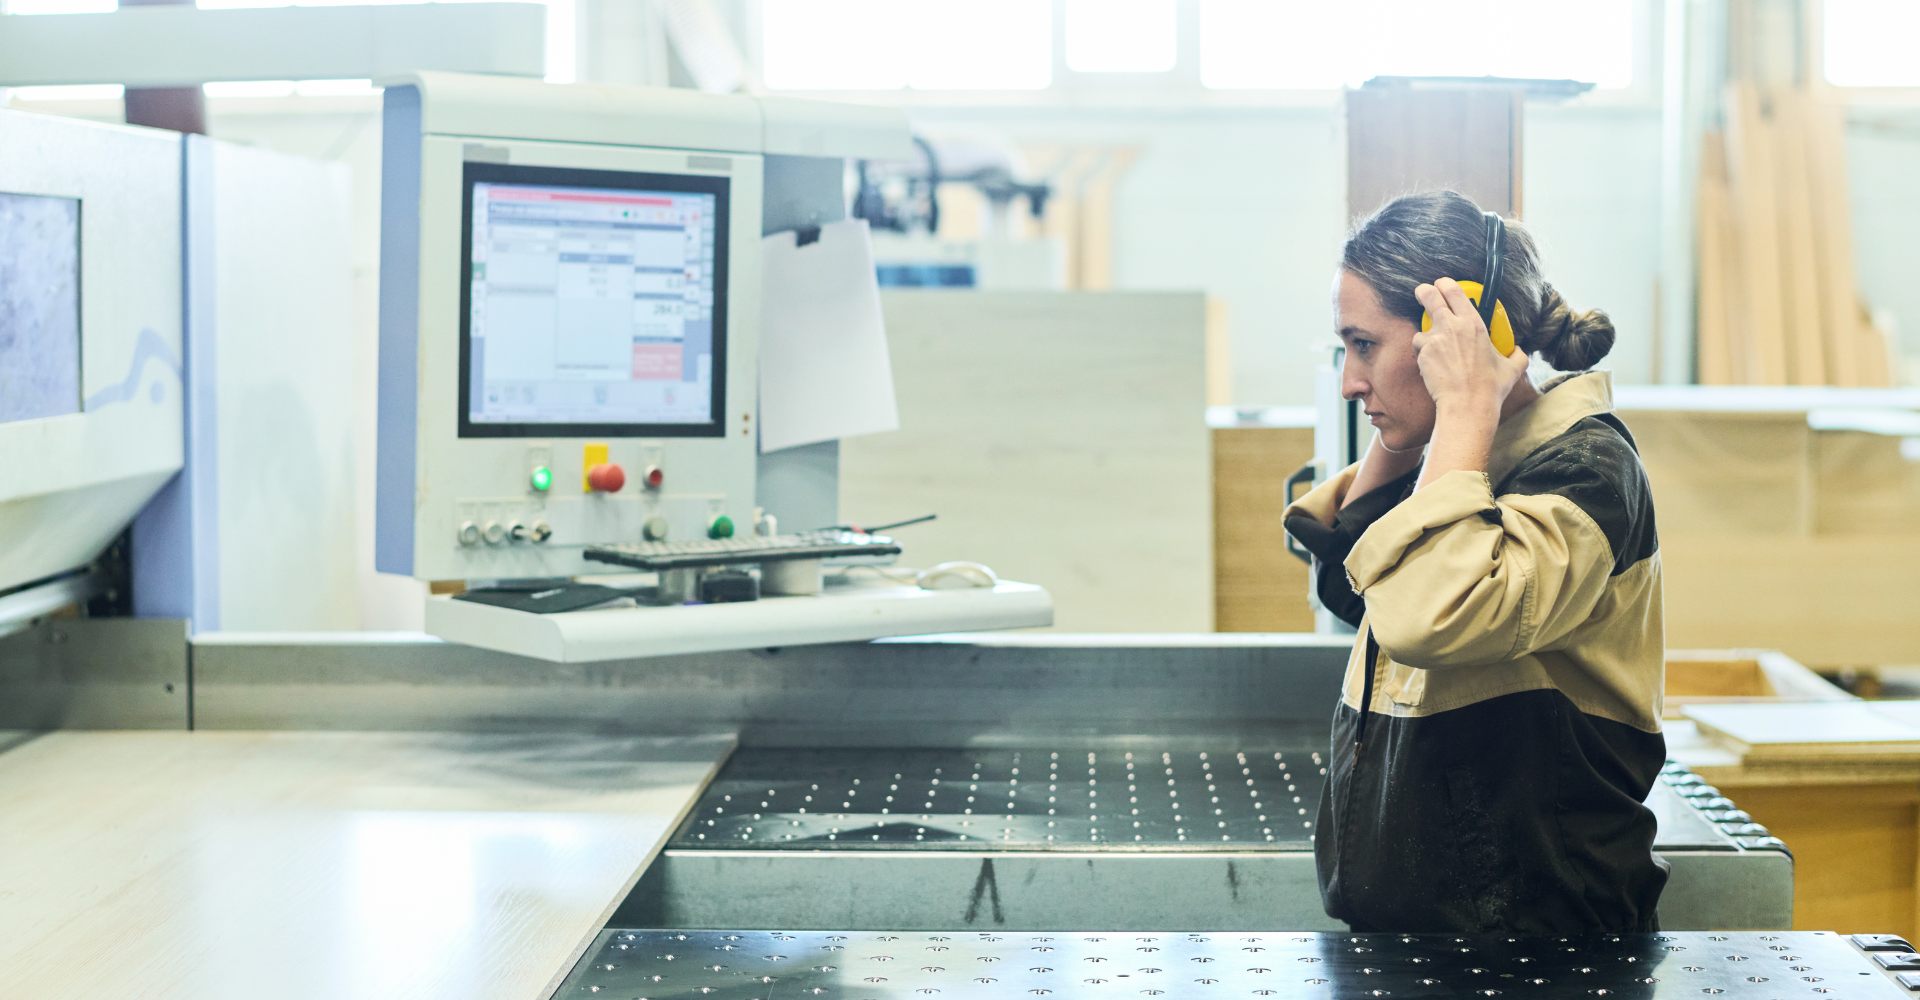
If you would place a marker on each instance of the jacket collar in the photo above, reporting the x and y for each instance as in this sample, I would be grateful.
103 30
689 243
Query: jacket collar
1563 402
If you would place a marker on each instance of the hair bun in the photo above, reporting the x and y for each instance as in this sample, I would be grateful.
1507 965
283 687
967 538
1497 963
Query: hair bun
1570 341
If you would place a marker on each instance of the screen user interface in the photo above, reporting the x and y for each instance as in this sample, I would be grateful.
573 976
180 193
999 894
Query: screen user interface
591 306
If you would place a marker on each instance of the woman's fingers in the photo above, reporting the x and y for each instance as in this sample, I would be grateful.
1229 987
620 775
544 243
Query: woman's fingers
1456 297
1430 299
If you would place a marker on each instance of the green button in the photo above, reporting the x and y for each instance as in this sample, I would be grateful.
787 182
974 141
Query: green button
541 478
720 527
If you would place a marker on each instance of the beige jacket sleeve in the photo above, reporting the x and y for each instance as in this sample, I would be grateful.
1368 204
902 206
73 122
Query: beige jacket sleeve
1323 501
1454 577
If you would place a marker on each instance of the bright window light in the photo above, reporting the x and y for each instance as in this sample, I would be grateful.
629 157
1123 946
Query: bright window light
58 6
1121 36
1248 44
68 92
1869 43
895 44
290 88
248 88
336 88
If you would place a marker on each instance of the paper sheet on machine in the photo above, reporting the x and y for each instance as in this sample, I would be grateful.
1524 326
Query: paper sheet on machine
824 371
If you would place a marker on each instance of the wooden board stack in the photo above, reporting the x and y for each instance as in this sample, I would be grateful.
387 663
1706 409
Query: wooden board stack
1778 303
1792 732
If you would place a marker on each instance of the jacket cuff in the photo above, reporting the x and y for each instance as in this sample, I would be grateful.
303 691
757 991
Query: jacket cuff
1323 501
1451 498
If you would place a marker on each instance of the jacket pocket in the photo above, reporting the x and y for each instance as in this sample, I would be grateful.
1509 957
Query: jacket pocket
1404 685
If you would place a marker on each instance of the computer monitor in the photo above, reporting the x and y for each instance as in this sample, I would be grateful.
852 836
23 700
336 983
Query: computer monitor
594 303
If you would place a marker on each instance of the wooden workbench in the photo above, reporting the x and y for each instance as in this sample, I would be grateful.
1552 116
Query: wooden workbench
323 865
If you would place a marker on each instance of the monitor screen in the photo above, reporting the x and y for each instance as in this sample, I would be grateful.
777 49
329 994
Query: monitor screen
39 306
594 303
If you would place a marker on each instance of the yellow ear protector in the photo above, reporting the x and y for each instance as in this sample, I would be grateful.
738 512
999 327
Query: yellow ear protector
1493 312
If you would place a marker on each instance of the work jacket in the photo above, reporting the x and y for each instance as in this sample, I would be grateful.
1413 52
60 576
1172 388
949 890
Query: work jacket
1499 727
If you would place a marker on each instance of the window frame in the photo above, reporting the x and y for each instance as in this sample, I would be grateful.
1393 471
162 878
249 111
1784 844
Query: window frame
1181 86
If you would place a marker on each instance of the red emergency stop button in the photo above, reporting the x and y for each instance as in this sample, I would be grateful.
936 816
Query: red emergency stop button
607 477
655 477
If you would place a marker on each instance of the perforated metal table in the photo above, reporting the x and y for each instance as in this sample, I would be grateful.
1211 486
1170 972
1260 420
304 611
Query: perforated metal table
971 965
1031 838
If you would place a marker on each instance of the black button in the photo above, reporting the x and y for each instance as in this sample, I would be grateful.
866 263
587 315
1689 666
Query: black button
1897 961
1881 942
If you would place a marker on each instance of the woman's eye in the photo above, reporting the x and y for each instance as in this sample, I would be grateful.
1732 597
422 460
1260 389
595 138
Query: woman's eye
1362 347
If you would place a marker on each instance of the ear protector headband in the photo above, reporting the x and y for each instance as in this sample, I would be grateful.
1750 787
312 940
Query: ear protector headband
1486 298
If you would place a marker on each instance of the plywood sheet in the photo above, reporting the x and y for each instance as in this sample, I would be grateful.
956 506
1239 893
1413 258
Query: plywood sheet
1401 140
1825 601
1751 167
1062 439
1810 730
1799 258
1718 309
1258 587
1825 148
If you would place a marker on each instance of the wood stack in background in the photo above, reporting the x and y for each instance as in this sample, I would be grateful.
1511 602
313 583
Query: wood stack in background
1778 299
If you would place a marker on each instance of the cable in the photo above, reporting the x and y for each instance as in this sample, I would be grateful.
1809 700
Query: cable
922 519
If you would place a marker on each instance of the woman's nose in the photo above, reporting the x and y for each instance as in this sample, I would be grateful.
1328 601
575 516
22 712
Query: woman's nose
1351 385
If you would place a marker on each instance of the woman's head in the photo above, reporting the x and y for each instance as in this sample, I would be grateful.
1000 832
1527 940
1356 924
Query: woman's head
1417 239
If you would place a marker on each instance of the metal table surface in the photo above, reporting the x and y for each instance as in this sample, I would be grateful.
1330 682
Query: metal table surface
1146 798
971 965
1070 834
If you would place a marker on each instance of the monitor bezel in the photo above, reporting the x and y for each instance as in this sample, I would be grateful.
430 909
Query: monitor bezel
474 173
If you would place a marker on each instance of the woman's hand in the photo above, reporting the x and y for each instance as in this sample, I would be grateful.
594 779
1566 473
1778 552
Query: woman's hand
1457 358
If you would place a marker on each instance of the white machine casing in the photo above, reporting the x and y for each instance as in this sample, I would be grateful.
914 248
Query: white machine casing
431 480
74 481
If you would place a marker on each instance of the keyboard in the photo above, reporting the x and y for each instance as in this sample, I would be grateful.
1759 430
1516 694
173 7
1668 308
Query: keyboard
840 546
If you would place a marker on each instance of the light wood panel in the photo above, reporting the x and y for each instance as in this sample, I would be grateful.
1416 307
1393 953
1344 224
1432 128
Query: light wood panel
1751 168
1720 362
1825 601
1402 139
1061 437
1825 150
1785 732
207 866
1799 260
1732 473
1258 586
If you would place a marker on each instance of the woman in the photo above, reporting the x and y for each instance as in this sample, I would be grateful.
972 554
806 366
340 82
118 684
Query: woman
1500 724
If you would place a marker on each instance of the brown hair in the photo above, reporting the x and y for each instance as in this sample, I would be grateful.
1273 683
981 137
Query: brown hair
1419 238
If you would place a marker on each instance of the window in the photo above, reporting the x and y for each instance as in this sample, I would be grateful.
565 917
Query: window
899 44
1869 43
1247 44
1121 36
